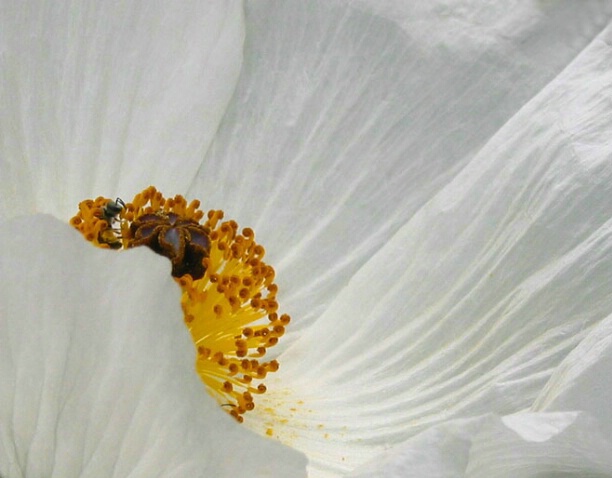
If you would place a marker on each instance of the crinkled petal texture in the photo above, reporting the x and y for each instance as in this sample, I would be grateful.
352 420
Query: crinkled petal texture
531 445
582 380
350 116
110 97
487 284
98 375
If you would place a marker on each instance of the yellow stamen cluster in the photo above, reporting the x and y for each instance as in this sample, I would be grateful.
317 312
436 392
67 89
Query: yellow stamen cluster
151 201
231 312
97 229
233 307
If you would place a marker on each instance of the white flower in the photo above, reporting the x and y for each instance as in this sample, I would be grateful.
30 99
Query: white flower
431 182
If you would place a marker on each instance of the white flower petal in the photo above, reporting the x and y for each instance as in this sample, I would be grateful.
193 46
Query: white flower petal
345 123
97 369
582 380
524 445
110 96
473 303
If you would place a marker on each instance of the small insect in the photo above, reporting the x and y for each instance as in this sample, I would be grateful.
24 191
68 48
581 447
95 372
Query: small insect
109 213
184 241
112 210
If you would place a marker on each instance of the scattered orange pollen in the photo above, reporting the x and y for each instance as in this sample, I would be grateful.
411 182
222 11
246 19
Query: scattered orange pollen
228 291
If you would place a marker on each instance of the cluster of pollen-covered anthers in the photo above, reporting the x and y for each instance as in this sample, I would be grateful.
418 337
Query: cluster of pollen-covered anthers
229 295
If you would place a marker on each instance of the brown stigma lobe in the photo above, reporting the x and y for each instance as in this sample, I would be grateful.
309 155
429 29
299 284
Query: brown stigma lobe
184 241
